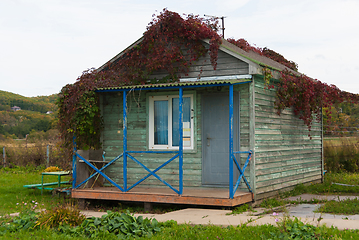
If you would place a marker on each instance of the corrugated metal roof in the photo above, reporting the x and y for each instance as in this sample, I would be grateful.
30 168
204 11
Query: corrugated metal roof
177 84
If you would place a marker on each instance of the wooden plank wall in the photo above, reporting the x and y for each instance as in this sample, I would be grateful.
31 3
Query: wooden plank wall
138 141
226 66
111 107
285 155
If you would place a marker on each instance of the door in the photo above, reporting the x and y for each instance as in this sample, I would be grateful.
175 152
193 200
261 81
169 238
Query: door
215 138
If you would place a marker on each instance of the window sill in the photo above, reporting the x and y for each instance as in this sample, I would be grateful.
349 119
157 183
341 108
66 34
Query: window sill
173 149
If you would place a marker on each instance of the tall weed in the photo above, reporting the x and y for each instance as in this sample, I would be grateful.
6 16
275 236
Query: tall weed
22 153
341 155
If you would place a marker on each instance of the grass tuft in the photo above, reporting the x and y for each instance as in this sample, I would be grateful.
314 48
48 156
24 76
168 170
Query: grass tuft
347 206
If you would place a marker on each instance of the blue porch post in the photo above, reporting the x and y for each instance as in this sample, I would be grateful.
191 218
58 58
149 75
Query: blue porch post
74 165
180 119
231 141
125 141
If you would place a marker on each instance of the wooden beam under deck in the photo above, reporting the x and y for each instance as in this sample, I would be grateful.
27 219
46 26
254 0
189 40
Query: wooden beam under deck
194 196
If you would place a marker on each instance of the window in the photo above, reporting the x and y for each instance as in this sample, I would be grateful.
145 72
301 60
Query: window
164 125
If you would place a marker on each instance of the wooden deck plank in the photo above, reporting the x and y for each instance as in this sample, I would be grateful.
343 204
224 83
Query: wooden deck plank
202 196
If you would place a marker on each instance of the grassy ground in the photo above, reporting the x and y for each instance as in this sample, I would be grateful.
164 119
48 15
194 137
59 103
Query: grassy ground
15 198
247 232
337 141
186 231
328 187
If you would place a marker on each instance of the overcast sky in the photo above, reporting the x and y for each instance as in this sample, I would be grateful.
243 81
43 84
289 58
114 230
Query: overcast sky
46 44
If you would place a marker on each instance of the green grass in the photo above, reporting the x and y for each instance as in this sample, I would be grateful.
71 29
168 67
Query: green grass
15 198
272 203
337 141
348 207
187 231
241 209
327 188
39 235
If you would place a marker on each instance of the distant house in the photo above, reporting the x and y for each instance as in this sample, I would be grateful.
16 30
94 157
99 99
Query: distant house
16 108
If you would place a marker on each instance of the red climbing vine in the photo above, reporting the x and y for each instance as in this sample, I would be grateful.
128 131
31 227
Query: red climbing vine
243 44
172 43
308 96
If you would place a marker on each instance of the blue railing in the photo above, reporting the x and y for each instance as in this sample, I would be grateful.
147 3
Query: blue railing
241 171
127 153
153 173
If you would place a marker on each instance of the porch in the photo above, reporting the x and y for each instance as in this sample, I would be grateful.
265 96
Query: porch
192 196
124 188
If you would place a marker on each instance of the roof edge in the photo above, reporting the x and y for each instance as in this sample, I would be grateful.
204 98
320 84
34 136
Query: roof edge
120 54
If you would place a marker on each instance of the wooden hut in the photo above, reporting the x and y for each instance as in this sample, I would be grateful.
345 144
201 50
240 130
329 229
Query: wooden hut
231 148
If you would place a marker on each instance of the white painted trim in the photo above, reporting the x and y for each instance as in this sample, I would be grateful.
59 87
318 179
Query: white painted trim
217 78
169 98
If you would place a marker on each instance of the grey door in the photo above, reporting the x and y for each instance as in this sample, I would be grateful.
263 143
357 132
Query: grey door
215 136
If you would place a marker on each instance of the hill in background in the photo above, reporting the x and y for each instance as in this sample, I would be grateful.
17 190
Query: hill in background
37 114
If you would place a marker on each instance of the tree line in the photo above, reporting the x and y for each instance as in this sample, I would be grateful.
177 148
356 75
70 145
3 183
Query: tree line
343 120
41 104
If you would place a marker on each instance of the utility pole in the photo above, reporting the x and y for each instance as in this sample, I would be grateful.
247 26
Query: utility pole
214 17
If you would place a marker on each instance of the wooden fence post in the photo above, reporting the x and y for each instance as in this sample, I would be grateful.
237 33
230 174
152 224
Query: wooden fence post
47 155
4 156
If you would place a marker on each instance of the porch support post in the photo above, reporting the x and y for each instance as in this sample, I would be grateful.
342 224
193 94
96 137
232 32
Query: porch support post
322 143
74 172
252 132
231 194
180 123
124 140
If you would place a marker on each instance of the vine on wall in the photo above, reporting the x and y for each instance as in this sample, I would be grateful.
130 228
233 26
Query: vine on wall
173 43
308 96
243 44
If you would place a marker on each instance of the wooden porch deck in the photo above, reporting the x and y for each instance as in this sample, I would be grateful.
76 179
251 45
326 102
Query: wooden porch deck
193 196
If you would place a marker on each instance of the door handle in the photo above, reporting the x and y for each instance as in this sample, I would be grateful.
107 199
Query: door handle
208 141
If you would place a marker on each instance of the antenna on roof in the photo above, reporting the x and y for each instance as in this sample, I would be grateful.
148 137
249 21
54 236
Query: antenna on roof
214 17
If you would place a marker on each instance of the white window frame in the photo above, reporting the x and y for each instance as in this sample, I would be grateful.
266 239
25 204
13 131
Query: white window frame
169 98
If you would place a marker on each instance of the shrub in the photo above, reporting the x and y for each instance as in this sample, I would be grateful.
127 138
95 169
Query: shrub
66 215
295 229
124 225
